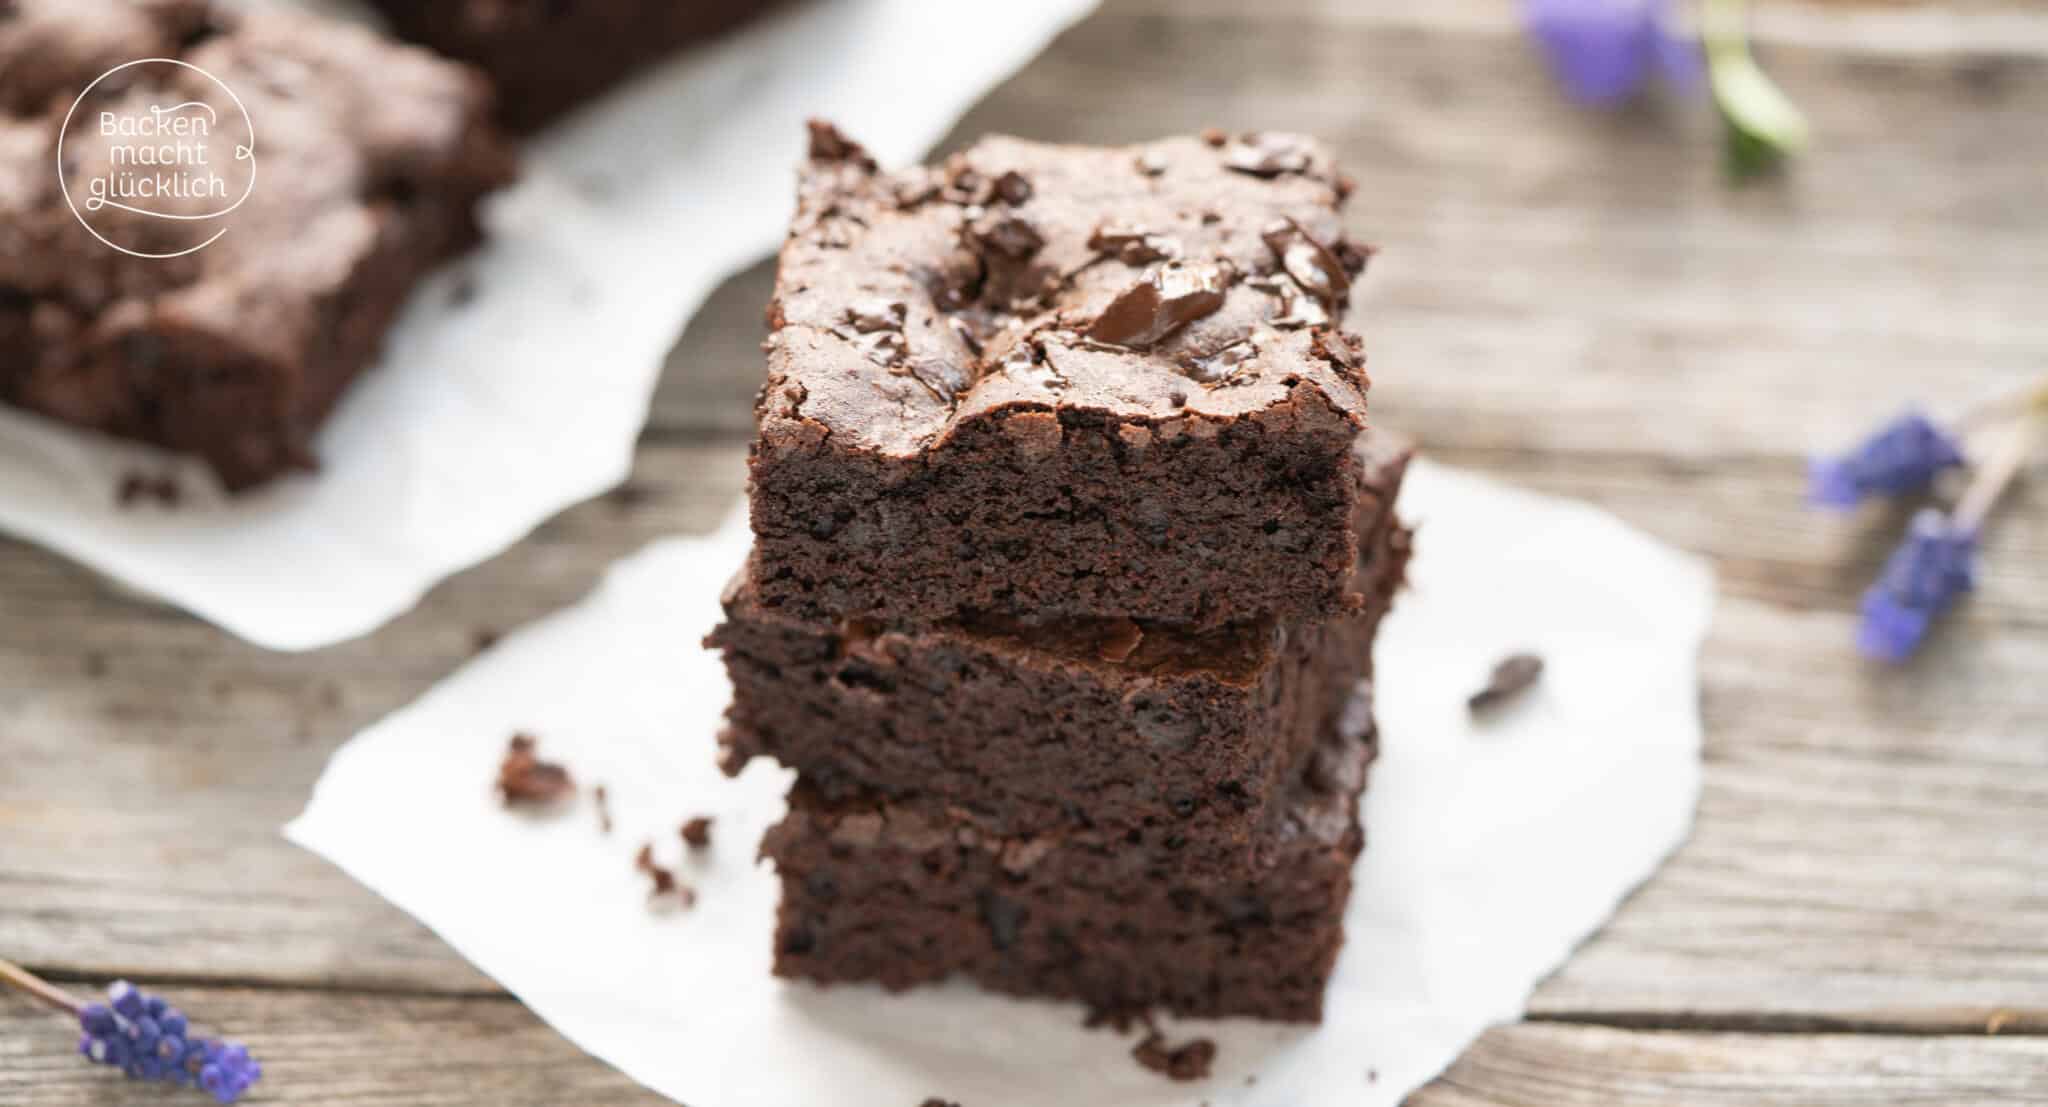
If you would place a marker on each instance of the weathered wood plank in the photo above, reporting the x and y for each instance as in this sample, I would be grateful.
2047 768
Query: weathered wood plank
324 1048
1577 1066
1849 813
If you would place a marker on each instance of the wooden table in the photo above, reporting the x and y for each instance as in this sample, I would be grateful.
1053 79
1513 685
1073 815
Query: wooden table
1575 301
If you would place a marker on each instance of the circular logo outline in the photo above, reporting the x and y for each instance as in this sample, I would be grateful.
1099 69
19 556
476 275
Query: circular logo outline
65 186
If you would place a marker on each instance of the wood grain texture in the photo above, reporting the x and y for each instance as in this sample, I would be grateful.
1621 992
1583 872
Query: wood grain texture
1573 301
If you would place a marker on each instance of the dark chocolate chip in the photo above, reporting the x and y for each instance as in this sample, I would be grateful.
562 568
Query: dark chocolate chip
1268 154
1511 677
1012 188
1132 245
1161 302
1313 267
1008 235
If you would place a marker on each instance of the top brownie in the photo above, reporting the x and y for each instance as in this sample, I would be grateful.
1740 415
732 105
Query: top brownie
1044 382
370 158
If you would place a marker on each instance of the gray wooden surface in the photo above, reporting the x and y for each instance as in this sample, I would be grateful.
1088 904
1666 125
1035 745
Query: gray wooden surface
1574 301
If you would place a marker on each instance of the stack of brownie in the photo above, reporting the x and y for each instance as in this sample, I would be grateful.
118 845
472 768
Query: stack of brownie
1069 554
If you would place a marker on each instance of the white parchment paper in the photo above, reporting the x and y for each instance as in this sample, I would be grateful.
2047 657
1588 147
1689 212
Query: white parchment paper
1493 848
497 407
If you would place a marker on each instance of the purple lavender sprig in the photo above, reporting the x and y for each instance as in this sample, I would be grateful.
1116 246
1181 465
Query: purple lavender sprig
1921 580
1604 51
1902 458
146 1038
1937 563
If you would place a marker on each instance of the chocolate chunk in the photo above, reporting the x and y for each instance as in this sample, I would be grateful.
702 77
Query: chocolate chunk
876 314
829 144
1007 235
697 831
1510 678
1353 255
1132 245
1215 367
1298 309
1314 268
1012 188
1268 154
1161 302
1188 1061
525 780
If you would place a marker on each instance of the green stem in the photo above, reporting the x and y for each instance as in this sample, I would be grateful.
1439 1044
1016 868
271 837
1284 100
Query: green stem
11 973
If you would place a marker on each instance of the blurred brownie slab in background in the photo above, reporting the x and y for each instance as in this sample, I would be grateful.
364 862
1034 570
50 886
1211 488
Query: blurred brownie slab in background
369 159
548 56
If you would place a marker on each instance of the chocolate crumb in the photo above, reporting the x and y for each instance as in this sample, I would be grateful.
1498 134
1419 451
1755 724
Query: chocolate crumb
524 780
137 487
1187 1061
1119 1018
604 808
1510 678
664 880
935 1101
829 144
1214 136
697 831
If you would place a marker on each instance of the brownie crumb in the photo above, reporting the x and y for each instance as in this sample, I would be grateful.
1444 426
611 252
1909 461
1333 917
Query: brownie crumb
524 780
697 831
137 487
664 880
604 808
1187 1061
1510 679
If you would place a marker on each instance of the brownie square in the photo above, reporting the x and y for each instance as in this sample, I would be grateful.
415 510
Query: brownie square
871 892
1171 741
1046 382
547 56
371 157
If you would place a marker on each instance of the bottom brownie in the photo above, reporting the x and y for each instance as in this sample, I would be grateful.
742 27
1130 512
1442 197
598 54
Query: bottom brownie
874 892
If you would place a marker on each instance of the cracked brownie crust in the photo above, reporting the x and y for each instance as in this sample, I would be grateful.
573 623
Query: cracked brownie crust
235 353
1044 382
872 892
1172 742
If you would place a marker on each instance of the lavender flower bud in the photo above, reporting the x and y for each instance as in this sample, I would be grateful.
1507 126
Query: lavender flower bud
1920 581
1903 457
1604 50
146 1038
